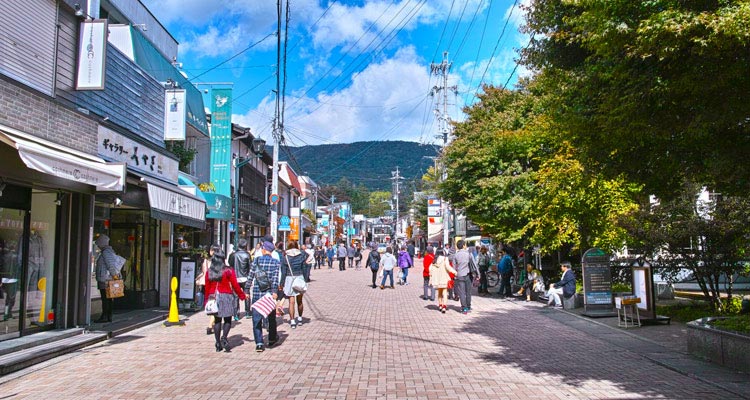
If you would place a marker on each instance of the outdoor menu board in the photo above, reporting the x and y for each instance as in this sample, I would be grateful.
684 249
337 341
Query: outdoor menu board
597 280
643 288
597 277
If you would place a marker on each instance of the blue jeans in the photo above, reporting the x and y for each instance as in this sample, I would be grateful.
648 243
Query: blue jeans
258 327
406 273
385 275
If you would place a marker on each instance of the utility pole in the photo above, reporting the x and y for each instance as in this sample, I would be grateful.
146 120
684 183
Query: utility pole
331 228
396 177
277 128
442 70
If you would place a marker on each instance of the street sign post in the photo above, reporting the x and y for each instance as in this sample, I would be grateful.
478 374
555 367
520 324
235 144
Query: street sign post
285 223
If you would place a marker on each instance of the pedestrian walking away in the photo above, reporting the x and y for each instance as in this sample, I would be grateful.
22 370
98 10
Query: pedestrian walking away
440 271
222 284
330 253
463 280
350 254
429 257
483 261
387 263
264 277
341 253
373 261
292 265
404 263
505 269
358 257
239 260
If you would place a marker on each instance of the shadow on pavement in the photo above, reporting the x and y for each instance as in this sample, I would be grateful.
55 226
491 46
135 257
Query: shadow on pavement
543 347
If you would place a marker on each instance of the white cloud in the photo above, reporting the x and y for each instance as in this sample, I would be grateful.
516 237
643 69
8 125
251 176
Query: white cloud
386 101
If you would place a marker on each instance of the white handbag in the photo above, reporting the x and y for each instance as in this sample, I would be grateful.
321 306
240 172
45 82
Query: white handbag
212 306
298 282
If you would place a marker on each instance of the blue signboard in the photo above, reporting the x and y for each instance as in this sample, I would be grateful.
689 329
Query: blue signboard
285 223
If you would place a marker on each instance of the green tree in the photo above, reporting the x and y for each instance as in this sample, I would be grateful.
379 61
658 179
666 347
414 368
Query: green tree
656 90
516 176
708 238
379 203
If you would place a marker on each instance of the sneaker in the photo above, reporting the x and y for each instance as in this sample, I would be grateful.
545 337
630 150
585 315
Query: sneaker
559 306
299 320
465 311
259 348
442 309
272 343
406 283
293 324
392 287
382 287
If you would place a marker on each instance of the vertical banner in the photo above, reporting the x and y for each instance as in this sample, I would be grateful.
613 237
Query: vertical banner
221 140
294 212
174 114
434 220
92 54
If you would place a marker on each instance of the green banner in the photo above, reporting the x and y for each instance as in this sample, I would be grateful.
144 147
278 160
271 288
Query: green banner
219 207
221 140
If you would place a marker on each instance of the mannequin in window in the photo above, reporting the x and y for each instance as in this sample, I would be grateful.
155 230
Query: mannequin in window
8 277
36 259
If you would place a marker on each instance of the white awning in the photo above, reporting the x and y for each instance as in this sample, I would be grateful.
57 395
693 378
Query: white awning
64 162
176 205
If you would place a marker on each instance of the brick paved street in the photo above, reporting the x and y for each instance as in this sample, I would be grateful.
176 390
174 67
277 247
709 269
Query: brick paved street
359 342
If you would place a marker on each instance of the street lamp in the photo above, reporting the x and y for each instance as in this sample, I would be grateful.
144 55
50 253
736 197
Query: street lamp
259 145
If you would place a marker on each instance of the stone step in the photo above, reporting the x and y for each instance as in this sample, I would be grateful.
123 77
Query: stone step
20 359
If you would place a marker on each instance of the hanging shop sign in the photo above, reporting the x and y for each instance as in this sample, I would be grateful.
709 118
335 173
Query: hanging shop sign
92 55
138 156
221 140
174 114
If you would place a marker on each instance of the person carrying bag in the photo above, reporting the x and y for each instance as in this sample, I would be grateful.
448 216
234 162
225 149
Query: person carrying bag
292 270
108 267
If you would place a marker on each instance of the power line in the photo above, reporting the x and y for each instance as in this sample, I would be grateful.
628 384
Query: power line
440 41
232 57
492 56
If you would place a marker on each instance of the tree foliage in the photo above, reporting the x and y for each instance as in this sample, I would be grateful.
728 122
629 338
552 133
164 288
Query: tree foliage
709 238
514 174
656 90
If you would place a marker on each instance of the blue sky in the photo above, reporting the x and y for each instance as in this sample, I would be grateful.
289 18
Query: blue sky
356 70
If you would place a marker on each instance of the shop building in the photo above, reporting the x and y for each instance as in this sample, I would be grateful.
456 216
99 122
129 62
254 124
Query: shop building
80 160
254 212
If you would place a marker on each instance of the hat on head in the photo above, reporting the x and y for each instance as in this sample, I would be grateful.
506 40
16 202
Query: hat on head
268 246
102 240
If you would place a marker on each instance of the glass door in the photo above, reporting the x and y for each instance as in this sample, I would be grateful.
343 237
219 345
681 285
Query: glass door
39 279
127 241
12 222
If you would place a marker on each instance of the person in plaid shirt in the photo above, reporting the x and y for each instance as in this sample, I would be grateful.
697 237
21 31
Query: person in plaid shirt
271 267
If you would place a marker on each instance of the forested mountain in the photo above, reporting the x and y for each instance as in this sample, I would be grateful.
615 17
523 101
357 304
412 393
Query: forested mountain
362 163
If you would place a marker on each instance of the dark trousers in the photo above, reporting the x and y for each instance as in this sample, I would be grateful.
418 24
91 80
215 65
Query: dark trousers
342 263
258 327
374 275
306 271
483 281
505 289
106 306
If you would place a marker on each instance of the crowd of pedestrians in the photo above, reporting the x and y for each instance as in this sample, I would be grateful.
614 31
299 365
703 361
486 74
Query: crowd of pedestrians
273 271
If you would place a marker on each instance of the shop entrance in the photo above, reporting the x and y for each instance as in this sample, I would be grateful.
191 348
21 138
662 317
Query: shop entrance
131 241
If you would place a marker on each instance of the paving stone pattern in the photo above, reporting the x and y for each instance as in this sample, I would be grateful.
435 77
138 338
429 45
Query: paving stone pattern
364 343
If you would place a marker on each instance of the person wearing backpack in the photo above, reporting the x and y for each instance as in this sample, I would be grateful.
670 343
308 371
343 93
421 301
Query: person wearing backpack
404 262
373 261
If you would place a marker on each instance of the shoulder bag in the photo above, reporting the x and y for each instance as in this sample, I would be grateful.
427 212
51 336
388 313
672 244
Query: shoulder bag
297 283
212 306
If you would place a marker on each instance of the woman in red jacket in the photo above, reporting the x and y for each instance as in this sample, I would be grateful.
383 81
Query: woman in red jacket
426 262
221 283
